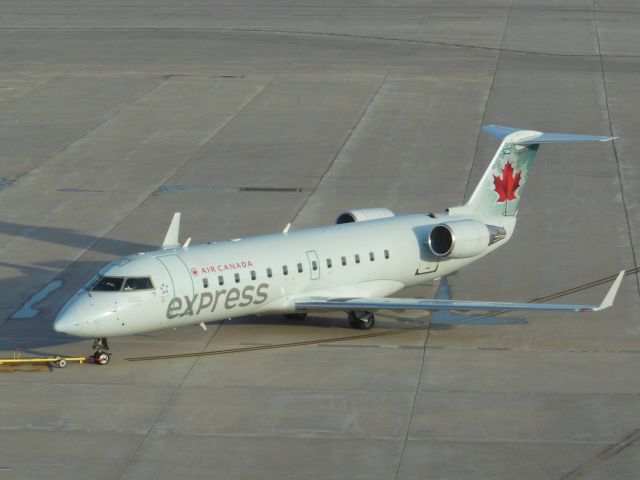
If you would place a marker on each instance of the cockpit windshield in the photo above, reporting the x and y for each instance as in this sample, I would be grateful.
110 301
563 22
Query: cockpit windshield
137 283
108 284
116 284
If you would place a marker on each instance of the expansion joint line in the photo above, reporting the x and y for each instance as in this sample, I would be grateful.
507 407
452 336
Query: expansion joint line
347 138
415 397
615 150
166 405
486 103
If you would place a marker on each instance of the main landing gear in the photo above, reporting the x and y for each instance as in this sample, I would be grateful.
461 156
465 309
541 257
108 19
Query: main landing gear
361 320
102 354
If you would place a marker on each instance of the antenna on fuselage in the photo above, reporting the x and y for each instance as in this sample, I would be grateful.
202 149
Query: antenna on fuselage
171 238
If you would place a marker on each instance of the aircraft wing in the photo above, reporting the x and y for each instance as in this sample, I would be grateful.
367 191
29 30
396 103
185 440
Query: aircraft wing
438 304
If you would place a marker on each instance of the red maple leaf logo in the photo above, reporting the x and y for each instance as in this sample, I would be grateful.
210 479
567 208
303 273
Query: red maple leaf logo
507 185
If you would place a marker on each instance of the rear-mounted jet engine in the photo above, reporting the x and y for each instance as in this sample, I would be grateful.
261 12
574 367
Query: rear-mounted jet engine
463 238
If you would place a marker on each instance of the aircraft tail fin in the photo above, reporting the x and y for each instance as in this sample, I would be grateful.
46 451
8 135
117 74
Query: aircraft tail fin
500 188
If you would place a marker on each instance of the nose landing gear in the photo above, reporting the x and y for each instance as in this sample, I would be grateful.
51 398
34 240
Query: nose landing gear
102 354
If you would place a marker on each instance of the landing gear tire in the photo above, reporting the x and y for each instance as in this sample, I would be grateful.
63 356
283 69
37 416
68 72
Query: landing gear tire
61 363
101 358
102 354
361 320
295 316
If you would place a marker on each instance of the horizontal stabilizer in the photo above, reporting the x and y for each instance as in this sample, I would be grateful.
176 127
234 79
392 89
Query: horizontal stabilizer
533 137
370 304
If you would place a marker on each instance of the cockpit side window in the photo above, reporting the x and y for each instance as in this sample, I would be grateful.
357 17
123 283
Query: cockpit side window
137 283
108 284
91 283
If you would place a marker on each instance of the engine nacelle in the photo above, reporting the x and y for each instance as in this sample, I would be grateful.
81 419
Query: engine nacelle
463 238
364 214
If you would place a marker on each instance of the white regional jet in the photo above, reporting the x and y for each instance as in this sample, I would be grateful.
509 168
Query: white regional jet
350 266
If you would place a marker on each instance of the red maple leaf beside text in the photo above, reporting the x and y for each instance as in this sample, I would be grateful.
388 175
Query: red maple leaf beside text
507 185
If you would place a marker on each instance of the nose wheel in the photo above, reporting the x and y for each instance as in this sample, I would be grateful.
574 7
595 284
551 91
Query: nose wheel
102 354
361 320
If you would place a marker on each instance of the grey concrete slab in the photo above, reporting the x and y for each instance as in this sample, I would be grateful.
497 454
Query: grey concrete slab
624 465
58 110
253 411
490 460
353 368
518 417
168 456
621 76
617 24
531 372
60 454
101 408
567 30
299 124
477 26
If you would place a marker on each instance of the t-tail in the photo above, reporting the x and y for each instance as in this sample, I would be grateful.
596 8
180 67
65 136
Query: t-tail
500 188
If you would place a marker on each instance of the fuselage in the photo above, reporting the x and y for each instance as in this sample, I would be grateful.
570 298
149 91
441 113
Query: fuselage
259 275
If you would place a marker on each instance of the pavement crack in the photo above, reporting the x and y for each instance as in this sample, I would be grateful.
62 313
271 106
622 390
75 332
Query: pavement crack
413 404
613 144
486 104
347 138
603 456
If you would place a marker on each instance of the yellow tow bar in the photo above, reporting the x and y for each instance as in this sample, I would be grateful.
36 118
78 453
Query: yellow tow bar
61 362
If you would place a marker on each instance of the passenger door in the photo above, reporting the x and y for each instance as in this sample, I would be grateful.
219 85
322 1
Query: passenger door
180 279
314 264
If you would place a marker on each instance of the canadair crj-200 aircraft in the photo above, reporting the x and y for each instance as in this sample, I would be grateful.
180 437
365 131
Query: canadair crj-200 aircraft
351 266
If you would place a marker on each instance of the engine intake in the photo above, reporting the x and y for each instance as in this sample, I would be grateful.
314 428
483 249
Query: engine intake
463 238
363 215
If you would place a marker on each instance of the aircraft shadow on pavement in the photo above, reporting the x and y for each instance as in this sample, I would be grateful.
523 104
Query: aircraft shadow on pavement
73 238
32 334
444 319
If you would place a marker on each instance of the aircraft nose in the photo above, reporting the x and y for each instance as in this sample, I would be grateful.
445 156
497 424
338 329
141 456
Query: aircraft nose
65 321
63 324
75 318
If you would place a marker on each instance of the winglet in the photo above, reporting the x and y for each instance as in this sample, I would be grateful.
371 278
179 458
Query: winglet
611 294
171 238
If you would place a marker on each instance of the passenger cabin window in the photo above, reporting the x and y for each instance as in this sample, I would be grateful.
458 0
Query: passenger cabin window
285 270
386 254
108 284
372 257
220 280
205 282
343 260
269 273
329 264
299 268
237 277
357 257
253 274
314 265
